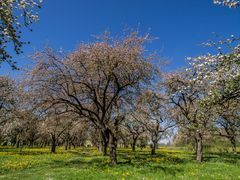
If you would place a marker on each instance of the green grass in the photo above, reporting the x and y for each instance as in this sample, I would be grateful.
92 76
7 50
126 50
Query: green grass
87 163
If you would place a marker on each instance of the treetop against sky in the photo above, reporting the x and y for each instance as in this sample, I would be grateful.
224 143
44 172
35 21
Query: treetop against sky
181 26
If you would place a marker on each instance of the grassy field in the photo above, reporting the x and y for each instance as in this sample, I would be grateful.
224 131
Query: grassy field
87 163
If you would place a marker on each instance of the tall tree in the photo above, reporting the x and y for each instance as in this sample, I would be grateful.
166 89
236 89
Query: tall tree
95 81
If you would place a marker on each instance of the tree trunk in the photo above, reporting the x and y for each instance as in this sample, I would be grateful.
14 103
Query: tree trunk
67 141
134 144
142 145
74 146
31 141
54 144
113 149
104 148
17 141
234 146
199 150
154 147
195 146
105 140
66 144
18 144
125 144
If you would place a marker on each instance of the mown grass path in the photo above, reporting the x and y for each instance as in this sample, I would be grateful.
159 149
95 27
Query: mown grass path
87 163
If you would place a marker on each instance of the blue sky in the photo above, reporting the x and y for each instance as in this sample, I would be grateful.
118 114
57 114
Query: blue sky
180 25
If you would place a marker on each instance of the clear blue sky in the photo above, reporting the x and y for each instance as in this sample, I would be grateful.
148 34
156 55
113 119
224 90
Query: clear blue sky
180 25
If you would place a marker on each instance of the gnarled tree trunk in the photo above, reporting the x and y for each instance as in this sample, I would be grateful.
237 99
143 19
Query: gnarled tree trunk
113 149
105 141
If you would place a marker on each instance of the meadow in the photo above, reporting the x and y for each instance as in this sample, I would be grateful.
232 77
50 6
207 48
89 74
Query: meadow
88 163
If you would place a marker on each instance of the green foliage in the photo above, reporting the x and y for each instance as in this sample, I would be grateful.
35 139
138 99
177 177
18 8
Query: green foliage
87 163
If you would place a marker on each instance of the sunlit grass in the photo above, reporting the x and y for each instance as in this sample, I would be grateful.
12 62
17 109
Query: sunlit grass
88 163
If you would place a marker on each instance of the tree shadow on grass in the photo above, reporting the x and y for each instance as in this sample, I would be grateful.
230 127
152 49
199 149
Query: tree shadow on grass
167 170
143 161
222 157
85 154
139 159
159 157
102 164
98 163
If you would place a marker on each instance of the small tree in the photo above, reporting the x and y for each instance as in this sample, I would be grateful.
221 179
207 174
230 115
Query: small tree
55 125
135 129
186 95
152 112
